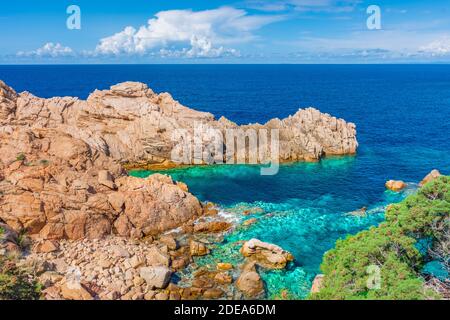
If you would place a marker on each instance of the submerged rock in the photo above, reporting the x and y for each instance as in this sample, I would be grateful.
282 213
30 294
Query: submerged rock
198 249
265 254
358 213
212 226
224 266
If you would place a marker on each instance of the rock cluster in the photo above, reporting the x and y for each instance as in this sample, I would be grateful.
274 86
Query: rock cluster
116 268
61 173
54 184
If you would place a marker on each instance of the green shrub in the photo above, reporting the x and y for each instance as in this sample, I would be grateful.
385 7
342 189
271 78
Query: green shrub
15 283
391 247
20 157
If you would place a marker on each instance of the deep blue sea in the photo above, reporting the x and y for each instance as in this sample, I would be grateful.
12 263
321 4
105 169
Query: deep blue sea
402 114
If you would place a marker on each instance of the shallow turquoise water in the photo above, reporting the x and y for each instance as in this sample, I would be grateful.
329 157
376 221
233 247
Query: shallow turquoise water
305 210
401 113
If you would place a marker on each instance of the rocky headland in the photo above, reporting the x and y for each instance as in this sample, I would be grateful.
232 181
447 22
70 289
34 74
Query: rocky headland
64 187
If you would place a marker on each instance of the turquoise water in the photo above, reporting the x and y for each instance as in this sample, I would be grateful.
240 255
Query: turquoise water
311 212
402 116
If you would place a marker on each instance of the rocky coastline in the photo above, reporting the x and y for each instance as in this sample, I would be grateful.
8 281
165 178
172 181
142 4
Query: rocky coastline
87 230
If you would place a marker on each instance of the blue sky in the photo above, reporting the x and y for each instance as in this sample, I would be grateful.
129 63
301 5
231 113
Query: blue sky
245 31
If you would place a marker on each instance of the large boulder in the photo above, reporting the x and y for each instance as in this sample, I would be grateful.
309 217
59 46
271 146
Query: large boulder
250 282
156 276
395 185
55 186
155 204
72 291
266 254
156 257
197 248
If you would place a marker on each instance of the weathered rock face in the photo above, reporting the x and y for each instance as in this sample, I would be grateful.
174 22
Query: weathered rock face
133 124
55 185
61 174
265 254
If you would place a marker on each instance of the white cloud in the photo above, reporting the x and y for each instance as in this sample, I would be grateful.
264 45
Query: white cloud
200 48
202 30
439 47
48 50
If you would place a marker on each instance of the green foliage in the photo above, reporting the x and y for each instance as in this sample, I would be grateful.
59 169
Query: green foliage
15 284
20 157
44 162
23 241
2 231
391 247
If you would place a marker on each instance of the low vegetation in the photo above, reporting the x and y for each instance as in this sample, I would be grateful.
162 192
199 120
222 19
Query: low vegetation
386 262
16 283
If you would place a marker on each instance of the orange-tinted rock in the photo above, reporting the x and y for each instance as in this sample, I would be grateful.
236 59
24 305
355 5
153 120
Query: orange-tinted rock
395 185
224 266
212 226
265 254
46 246
434 174
250 282
198 249
249 222
71 291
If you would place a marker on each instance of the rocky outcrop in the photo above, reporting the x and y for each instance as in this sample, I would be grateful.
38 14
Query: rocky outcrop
61 173
395 185
265 254
55 186
434 174
131 123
